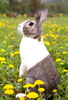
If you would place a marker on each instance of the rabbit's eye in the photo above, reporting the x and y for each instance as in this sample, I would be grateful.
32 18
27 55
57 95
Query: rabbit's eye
31 24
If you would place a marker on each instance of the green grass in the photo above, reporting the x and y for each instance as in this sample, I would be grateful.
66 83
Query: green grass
55 34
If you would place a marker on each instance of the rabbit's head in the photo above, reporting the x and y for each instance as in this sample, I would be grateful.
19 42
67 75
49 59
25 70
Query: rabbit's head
33 28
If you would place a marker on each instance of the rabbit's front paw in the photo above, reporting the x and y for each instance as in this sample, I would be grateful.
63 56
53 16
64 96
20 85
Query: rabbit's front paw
20 74
20 95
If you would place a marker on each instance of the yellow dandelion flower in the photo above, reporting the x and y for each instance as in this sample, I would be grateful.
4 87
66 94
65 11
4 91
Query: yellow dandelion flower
41 89
66 44
9 35
57 53
2 50
65 70
19 80
3 62
8 86
67 96
52 35
11 66
11 46
67 62
58 59
67 74
9 92
32 95
50 31
4 42
61 63
17 52
5 37
28 86
55 90
44 36
2 59
64 52
39 99
47 34
13 38
38 82
11 54
61 47
22 98
54 42
47 43
66 26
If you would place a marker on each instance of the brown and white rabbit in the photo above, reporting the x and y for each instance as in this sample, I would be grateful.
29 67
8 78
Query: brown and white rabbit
36 61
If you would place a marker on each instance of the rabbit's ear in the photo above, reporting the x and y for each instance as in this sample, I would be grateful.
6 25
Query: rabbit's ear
41 15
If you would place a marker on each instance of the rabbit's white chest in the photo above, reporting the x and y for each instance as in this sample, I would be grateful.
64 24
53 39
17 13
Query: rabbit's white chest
32 52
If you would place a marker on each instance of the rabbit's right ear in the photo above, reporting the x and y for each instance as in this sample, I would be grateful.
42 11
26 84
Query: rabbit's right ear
41 15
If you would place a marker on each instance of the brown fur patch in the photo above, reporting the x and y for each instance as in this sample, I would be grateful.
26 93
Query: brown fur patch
45 71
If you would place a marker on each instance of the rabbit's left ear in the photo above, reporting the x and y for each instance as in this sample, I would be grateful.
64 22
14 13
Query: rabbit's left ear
41 15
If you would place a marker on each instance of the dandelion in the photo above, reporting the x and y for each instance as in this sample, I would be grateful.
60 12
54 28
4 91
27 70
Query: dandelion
8 86
64 52
55 90
28 86
5 37
67 96
67 74
9 35
11 54
61 63
44 36
4 42
33 95
9 92
58 59
17 52
19 80
61 47
47 34
52 35
54 42
13 38
11 46
65 70
38 82
66 44
39 99
50 31
22 98
3 62
47 43
41 89
11 66
2 50
57 53
2 59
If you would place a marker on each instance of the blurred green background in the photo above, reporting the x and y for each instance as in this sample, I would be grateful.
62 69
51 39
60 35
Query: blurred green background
30 6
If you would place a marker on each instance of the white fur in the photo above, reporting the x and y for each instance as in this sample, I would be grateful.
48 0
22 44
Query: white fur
31 52
20 95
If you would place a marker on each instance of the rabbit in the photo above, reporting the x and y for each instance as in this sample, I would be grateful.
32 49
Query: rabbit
36 62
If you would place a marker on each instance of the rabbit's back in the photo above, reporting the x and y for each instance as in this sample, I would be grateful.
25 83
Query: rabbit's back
45 71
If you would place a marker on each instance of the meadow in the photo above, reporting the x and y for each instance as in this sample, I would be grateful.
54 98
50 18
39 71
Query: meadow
55 37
